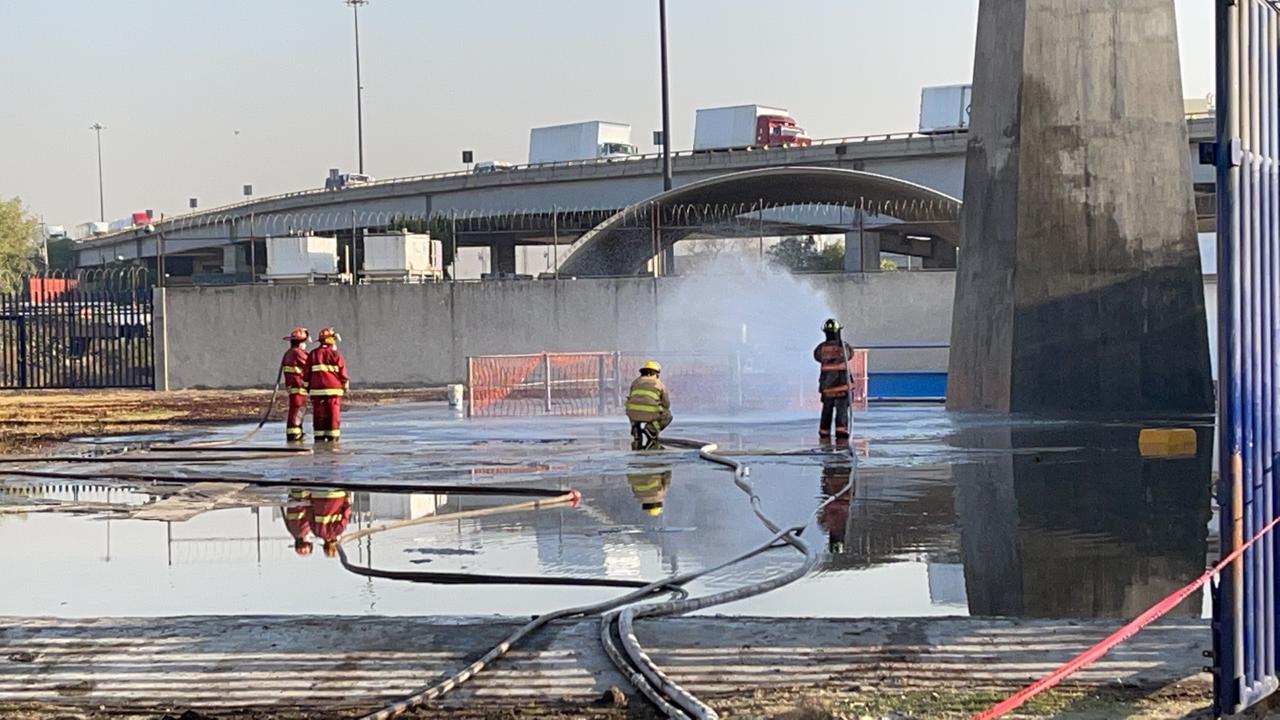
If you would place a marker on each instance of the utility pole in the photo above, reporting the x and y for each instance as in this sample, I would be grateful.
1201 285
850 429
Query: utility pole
355 15
97 128
666 99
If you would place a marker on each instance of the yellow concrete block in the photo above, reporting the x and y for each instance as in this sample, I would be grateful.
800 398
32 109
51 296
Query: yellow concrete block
1167 442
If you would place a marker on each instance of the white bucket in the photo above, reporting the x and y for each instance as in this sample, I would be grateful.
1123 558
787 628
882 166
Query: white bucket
455 396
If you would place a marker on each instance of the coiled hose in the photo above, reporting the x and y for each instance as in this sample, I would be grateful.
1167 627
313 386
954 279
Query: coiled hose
658 682
665 694
617 615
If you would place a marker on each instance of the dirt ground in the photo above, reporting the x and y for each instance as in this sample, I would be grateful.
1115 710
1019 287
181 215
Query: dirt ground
30 418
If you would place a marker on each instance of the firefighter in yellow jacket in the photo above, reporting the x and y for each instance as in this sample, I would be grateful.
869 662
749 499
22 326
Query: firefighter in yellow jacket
650 488
648 406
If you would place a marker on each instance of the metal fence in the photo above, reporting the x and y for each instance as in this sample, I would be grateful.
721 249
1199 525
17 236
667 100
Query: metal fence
596 383
1247 155
86 330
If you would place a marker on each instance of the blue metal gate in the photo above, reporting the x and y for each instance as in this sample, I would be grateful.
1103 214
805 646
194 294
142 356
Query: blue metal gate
90 330
1248 147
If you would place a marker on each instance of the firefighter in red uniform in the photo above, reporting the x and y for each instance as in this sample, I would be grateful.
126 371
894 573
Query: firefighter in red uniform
294 365
835 515
330 513
297 518
833 381
327 382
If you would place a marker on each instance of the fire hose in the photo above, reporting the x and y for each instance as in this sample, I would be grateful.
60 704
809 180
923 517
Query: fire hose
665 694
617 614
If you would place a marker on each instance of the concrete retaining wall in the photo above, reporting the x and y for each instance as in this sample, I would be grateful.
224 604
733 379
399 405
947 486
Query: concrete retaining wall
416 335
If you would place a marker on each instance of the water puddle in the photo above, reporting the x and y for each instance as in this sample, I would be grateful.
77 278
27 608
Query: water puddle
943 515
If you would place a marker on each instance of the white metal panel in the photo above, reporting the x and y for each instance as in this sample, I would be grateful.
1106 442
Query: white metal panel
401 253
613 133
574 141
945 108
296 255
729 127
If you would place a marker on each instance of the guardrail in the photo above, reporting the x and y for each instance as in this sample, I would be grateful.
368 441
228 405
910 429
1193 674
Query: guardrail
528 167
514 170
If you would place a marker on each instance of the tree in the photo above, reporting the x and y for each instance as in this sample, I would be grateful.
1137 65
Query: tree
802 255
17 243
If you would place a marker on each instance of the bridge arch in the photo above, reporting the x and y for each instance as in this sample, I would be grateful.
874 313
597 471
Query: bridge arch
625 242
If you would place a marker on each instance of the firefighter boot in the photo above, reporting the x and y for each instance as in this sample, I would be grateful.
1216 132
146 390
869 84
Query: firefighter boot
651 433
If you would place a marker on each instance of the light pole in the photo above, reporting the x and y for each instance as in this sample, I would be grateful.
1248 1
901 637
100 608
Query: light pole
355 15
97 128
666 101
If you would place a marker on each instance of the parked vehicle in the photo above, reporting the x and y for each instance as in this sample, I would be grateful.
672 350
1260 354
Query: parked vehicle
945 108
592 140
746 126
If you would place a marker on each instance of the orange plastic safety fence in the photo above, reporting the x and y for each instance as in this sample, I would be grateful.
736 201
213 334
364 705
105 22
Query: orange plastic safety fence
597 383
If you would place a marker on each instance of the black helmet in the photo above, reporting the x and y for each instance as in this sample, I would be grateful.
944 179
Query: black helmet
831 326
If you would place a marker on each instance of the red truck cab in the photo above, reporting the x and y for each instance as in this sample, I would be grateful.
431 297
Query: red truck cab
780 131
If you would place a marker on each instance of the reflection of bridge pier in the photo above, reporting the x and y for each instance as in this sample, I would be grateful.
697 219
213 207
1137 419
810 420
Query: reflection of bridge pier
1069 521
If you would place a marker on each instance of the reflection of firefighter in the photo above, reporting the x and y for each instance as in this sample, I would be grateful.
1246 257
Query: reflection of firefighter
294 365
330 513
833 381
327 378
650 489
835 477
297 518
648 406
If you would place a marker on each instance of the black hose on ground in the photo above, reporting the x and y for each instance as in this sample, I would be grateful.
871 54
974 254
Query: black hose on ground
569 497
666 695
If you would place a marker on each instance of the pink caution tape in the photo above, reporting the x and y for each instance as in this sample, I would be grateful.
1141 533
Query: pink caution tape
1092 655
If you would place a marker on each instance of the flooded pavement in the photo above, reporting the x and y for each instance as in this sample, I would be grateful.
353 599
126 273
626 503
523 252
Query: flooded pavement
948 515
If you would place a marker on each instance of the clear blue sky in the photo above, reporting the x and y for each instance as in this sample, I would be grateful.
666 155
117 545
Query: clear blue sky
173 80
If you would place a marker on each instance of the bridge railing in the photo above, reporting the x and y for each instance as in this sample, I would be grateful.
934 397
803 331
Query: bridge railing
511 173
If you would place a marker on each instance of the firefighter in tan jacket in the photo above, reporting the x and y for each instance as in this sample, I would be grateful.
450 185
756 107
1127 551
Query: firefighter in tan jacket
648 407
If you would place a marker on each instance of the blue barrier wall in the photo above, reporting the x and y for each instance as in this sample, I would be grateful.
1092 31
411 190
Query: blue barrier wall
1244 601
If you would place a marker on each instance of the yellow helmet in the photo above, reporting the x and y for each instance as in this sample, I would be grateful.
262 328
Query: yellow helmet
651 365
654 510
329 336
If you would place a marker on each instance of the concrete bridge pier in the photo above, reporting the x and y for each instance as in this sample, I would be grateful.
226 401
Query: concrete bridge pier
1078 287
862 251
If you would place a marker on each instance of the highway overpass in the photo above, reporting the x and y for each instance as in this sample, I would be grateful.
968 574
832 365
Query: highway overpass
532 204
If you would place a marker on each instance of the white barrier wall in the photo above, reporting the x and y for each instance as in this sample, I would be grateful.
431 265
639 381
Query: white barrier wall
421 335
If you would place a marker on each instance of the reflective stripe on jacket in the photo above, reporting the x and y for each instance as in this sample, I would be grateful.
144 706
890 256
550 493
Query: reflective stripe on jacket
833 378
294 365
647 400
330 513
326 372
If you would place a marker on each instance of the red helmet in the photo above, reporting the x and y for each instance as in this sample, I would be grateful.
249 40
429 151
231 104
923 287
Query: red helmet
302 547
299 334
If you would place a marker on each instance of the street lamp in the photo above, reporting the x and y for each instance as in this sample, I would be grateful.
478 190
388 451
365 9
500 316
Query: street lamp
97 128
666 101
355 15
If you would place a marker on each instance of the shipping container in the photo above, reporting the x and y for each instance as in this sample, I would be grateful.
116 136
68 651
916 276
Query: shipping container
402 256
301 257
746 126
945 108
592 140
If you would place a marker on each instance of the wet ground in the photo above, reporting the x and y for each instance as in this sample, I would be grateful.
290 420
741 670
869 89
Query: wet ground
948 516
